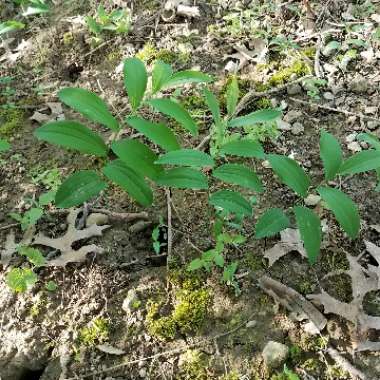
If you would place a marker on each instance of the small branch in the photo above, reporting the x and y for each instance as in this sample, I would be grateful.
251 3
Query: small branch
8 226
331 109
125 216
248 98
170 228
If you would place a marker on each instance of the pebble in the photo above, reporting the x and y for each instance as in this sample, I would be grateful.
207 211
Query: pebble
283 125
312 200
251 324
275 354
373 124
328 96
297 128
351 137
292 116
129 303
354 147
294 89
143 372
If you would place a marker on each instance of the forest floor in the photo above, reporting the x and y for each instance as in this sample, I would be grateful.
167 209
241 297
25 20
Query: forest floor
129 313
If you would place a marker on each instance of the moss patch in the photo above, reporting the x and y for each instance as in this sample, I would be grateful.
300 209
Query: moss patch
283 75
149 53
11 121
96 332
193 366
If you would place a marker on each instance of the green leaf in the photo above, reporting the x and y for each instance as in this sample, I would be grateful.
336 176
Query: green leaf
135 81
10 26
232 96
238 174
219 260
51 286
370 139
243 148
46 198
195 265
162 72
176 111
132 182
260 116
93 25
89 105
331 154
73 135
36 8
361 162
231 202
290 173
4 145
160 134
79 188
33 255
132 152
344 209
183 178
213 104
31 217
184 77
310 229
186 157
20 279
271 223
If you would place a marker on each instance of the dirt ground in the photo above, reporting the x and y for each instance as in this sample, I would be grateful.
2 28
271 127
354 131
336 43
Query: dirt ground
111 317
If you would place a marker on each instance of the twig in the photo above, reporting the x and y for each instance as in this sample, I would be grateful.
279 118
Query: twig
8 226
248 98
176 351
317 65
203 142
331 109
125 216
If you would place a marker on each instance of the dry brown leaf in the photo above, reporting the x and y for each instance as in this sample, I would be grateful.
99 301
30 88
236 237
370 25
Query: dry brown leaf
64 243
290 241
300 307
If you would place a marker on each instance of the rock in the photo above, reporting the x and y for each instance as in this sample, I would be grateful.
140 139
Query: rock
328 95
143 373
283 125
354 147
53 370
372 110
297 128
294 89
359 85
351 137
312 200
97 218
292 116
373 124
131 302
275 354
251 324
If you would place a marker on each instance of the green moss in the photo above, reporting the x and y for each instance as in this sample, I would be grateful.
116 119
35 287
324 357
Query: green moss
96 332
150 53
262 132
193 366
114 57
298 67
230 376
311 365
313 343
309 51
295 353
332 261
253 261
305 286
263 103
11 121
187 315
68 38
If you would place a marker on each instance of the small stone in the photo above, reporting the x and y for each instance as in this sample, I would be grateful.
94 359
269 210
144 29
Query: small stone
297 128
371 110
143 372
373 124
292 116
131 302
351 137
231 66
328 96
312 200
354 147
294 89
283 125
275 354
359 85
251 324
97 218
266 164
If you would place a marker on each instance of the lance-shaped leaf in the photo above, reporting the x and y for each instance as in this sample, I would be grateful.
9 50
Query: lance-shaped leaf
213 104
177 112
271 223
135 81
186 157
238 174
188 76
260 116
310 229
10 26
130 181
183 178
73 135
243 148
231 201
370 139
344 209
331 154
160 134
79 188
161 74
232 96
290 173
89 105
138 157
361 162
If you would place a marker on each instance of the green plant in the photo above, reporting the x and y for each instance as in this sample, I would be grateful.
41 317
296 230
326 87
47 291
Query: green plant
96 332
167 165
156 235
117 21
